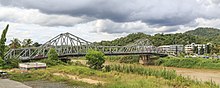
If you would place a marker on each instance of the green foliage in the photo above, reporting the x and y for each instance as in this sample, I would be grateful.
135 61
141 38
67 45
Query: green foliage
2 62
195 49
137 69
157 39
189 62
95 59
202 50
2 42
178 38
52 54
36 44
53 58
27 43
124 40
11 63
15 43
124 59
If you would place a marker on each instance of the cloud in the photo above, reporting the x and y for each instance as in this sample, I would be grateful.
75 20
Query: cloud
34 16
96 20
153 12
42 34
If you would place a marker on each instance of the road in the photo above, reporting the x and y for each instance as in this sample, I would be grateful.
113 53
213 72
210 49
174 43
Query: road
6 83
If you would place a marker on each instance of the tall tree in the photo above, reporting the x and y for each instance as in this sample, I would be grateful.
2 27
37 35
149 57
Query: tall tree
201 50
2 42
27 43
36 44
15 43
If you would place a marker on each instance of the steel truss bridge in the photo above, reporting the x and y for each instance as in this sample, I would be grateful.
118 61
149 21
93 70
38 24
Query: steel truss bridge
67 44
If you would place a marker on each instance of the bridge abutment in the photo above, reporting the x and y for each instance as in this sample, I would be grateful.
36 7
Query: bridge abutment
144 59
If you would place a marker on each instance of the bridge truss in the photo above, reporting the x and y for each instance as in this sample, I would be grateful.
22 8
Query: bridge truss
67 44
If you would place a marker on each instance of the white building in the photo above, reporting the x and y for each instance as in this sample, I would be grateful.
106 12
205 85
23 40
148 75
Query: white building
172 48
32 65
189 48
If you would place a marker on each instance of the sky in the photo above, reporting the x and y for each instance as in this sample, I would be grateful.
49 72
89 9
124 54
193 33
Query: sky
97 20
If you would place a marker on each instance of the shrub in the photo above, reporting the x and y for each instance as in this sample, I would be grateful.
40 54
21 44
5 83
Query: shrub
2 62
53 58
137 69
52 54
129 59
95 59
107 68
11 63
189 62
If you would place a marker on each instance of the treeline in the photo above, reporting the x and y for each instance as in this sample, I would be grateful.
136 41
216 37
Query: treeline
124 40
16 43
156 40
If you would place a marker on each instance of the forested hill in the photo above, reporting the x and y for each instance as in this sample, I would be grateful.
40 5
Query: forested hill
208 34
205 32
199 35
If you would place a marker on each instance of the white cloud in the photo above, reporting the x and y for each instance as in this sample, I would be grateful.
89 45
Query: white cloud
34 16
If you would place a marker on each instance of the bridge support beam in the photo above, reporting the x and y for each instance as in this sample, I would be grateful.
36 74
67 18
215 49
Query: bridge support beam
144 59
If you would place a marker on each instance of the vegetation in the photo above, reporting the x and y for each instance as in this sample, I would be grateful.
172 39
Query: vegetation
27 43
124 40
124 59
15 43
157 39
189 62
11 63
95 59
118 77
53 58
2 44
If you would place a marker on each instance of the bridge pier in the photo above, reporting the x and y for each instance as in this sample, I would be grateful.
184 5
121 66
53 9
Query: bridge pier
144 59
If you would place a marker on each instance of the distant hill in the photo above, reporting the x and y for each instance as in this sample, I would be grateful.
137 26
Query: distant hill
207 34
204 32
124 40
199 35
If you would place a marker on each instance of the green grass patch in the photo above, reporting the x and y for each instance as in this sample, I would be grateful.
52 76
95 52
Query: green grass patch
189 62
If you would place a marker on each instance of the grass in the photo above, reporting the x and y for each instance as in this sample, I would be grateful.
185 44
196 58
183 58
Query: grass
120 76
189 62
123 59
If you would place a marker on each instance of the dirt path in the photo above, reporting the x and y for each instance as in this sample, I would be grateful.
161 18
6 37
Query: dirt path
199 74
77 78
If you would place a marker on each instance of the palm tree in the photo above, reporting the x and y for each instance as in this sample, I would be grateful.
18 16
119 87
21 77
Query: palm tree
27 43
15 43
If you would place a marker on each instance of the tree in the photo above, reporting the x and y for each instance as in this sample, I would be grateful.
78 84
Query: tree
15 43
95 59
195 49
2 42
208 48
27 43
52 54
36 44
201 50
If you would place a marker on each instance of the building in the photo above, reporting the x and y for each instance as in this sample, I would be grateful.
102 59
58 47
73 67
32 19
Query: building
190 47
32 65
172 49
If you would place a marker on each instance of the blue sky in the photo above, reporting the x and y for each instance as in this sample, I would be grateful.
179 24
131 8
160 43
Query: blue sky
96 20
